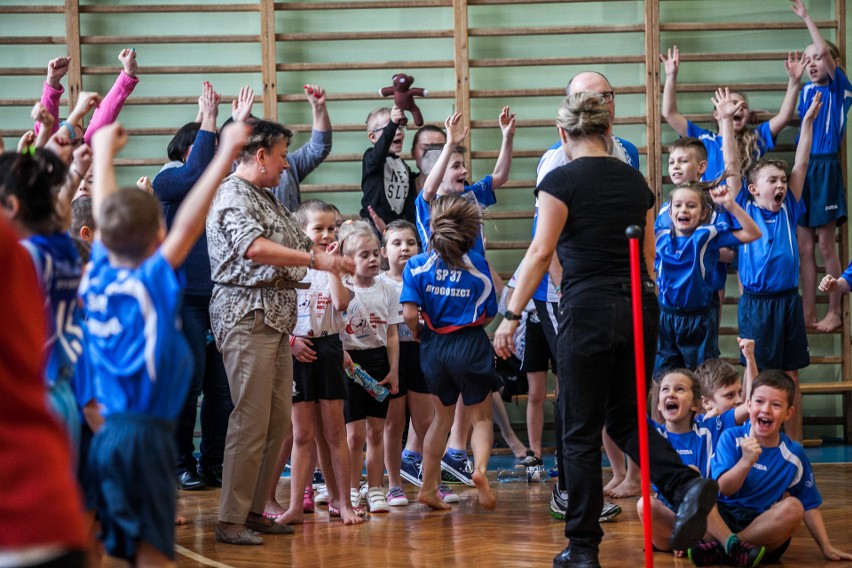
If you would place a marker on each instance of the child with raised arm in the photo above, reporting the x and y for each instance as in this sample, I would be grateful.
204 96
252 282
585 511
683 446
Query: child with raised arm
770 308
137 355
447 173
766 484
752 143
687 254
371 338
451 287
722 392
387 189
693 436
824 194
107 109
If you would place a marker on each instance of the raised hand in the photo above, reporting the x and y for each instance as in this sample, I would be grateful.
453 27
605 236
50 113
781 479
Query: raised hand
56 70
722 196
233 137
144 184
751 448
799 8
456 130
813 110
671 61
60 144
82 160
241 107
726 105
208 105
796 67
26 140
746 347
42 116
109 139
397 115
128 61
507 122
315 95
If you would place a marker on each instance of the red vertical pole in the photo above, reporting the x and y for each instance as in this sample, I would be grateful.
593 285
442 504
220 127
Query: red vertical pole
633 234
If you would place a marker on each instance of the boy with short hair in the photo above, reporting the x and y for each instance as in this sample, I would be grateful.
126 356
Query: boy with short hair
765 480
770 308
386 186
138 358
687 160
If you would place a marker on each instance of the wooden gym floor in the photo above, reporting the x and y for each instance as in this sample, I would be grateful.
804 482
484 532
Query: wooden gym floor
520 532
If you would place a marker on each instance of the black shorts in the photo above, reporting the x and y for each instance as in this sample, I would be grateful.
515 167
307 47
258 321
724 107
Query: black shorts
777 324
548 316
129 448
359 404
537 355
459 363
324 379
738 518
410 374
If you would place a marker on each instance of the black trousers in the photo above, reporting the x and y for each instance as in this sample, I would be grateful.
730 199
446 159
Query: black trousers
597 388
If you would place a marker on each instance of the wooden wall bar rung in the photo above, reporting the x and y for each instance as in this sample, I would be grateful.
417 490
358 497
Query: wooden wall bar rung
131 40
742 26
537 61
178 70
551 92
755 56
386 4
179 8
526 2
21 71
550 122
374 95
438 64
557 30
708 88
32 10
31 40
360 36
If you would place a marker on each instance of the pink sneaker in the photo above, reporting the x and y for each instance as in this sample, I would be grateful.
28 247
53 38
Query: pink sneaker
308 503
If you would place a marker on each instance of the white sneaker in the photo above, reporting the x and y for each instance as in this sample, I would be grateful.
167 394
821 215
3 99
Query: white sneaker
355 497
376 500
321 497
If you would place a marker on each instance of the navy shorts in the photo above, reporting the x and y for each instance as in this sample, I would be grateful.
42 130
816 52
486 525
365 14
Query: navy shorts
359 403
410 374
823 193
324 379
776 323
537 355
738 518
459 363
687 338
547 316
131 467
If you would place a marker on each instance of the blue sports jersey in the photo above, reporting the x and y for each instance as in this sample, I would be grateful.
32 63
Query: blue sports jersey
481 192
784 468
847 275
686 266
830 122
136 351
694 447
59 270
449 299
713 143
771 263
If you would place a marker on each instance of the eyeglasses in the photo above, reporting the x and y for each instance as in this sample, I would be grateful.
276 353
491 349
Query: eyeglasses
607 96
400 127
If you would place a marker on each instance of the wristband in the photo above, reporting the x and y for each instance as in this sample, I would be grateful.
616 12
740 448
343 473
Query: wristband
511 316
292 340
68 126
311 263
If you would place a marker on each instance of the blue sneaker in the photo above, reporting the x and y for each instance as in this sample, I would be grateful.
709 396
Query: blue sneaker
461 470
412 472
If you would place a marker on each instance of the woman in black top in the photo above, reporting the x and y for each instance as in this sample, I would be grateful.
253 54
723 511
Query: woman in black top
584 209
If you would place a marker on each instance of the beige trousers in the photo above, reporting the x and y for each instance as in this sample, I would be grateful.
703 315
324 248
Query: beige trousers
260 372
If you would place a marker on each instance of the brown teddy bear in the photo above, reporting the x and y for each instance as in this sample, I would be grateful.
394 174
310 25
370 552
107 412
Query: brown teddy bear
403 96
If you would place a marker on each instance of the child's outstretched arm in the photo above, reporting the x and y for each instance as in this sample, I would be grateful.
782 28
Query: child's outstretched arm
749 232
500 175
795 68
86 102
820 46
105 146
727 107
456 132
816 526
670 113
751 370
108 110
192 214
803 150
81 161
56 69
44 122
830 283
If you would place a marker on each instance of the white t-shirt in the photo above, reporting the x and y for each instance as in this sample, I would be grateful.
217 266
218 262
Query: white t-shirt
404 331
316 316
370 313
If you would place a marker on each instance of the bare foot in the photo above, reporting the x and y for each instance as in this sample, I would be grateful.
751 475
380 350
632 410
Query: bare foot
627 488
613 483
811 324
432 499
273 510
829 323
486 497
518 448
350 517
181 520
290 518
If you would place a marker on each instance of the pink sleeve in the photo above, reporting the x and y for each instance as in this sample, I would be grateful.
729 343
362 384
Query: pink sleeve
108 110
50 101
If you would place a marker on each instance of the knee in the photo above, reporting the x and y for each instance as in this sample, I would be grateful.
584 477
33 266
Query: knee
790 512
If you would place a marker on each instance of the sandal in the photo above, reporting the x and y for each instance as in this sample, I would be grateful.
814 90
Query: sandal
335 512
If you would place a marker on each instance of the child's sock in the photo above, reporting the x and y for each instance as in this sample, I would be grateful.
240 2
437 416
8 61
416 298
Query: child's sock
409 456
458 455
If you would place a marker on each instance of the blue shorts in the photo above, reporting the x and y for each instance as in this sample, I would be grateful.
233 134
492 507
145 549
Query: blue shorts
824 194
410 374
687 338
537 355
777 324
459 363
359 404
738 518
64 405
131 466
324 379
